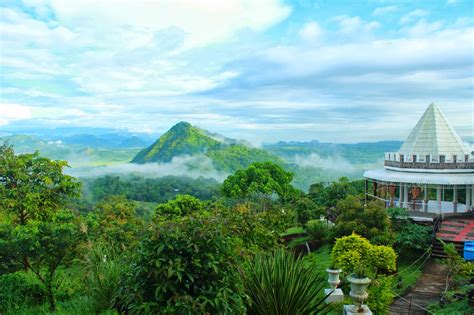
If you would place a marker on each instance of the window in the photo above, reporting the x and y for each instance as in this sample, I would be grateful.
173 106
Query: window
428 159
455 158
442 159
402 158
414 158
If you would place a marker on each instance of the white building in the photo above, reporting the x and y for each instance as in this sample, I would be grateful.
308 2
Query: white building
432 172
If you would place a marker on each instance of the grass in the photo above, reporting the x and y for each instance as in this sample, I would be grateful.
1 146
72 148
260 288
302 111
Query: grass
409 274
294 230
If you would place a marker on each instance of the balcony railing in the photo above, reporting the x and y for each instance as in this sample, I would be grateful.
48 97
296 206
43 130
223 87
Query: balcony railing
431 165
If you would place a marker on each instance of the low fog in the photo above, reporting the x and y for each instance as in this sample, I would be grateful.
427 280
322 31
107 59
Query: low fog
336 163
191 166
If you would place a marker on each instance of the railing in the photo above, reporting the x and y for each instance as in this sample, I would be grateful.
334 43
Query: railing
427 165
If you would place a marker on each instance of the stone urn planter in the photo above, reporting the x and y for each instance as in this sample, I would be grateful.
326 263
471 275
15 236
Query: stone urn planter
358 292
333 278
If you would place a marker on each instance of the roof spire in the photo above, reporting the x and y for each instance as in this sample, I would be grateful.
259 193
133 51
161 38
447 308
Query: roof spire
433 135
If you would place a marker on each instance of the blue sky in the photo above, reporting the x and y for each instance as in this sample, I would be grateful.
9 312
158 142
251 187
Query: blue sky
262 70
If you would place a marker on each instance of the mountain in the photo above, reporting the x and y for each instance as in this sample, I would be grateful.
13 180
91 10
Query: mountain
184 139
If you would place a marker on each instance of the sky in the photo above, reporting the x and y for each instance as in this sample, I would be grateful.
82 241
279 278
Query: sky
260 70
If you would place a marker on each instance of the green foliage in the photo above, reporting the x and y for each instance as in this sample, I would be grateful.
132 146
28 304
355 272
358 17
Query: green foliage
185 266
351 252
46 245
380 295
182 205
19 290
370 221
277 283
355 254
33 187
259 180
318 230
305 208
104 266
114 221
237 156
181 139
294 230
158 190
255 230
412 237
330 195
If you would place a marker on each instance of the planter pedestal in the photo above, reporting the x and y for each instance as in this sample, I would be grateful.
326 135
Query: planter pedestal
336 296
353 310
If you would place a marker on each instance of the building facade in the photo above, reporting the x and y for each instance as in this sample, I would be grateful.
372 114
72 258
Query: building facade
433 171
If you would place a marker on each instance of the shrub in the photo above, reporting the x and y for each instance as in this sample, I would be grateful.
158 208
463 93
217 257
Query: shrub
19 290
104 267
317 229
184 266
355 254
277 283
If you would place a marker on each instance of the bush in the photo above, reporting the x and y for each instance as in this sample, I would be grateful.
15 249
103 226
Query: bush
278 283
182 267
317 229
104 267
355 254
19 290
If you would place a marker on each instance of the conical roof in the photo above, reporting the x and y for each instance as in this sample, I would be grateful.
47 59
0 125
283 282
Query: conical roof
434 136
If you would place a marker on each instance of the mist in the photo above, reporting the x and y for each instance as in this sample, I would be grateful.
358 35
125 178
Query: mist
335 163
190 166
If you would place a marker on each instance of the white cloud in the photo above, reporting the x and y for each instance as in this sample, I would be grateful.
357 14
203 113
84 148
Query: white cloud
385 10
203 22
354 25
311 32
422 28
9 111
409 17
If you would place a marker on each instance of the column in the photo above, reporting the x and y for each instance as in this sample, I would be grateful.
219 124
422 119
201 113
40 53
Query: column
365 194
455 199
400 196
468 197
472 196
438 197
425 198
405 196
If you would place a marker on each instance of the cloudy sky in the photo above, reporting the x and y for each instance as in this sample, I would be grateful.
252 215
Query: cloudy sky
262 70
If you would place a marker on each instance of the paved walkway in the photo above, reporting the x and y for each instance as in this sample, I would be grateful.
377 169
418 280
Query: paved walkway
427 290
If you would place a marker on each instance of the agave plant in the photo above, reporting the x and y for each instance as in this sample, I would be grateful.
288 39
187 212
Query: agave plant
279 283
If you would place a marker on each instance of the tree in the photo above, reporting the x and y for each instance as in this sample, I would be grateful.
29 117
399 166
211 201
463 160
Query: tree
370 221
33 187
330 195
115 221
47 244
260 181
185 266
182 205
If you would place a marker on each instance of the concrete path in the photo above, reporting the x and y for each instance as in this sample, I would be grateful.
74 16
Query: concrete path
427 290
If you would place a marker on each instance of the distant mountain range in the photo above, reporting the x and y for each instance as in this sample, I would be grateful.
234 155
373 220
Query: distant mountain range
310 161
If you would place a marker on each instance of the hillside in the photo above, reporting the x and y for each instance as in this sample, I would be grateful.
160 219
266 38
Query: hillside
184 139
358 153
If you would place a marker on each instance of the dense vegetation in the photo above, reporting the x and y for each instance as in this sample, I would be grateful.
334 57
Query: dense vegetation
200 248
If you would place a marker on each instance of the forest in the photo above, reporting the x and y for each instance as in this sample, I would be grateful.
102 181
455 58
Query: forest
254 244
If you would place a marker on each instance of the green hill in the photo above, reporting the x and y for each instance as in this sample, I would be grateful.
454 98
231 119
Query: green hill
184 139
